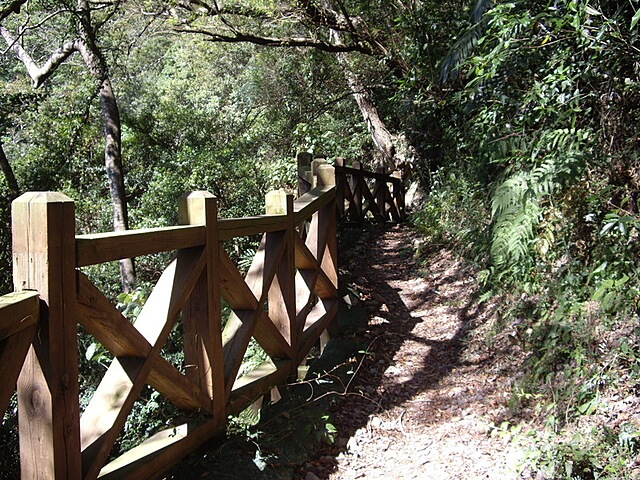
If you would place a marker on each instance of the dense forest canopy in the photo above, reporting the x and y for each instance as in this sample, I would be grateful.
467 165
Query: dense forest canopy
518 119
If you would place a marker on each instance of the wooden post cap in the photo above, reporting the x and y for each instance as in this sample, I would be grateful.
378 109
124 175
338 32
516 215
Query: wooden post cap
326 175
276 202
316 163
43 197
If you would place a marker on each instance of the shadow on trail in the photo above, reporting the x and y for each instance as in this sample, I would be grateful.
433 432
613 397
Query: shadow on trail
296 438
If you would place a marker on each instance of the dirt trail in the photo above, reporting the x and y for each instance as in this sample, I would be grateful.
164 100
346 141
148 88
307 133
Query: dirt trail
431 387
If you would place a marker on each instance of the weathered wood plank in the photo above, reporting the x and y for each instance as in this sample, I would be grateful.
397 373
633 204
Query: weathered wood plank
350 208
312 201
202 322
248 388
282 293
106 247
169 295
236 335
43 226
305 260
393 208
329 259
162 450
265 264
234 290
341 187
108 409
13 351
359 184
177 388
366 174
101 319
322 314
250 319
18 310
370 203
109 246
246 226
380 189
240 327
317 282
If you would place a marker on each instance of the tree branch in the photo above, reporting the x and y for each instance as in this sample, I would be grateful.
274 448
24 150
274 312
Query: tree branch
306 13
239 37
199 6
39 74
13 7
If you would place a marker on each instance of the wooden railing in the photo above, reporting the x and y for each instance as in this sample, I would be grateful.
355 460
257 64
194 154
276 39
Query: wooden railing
286 300
360 195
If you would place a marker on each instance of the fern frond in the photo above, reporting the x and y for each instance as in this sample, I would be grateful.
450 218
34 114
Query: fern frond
510 194
513 234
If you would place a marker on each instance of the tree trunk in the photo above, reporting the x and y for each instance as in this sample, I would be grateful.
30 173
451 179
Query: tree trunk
14 190
380 135
111 129
115 175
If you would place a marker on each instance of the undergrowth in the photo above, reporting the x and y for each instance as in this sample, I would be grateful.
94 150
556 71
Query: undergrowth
538 185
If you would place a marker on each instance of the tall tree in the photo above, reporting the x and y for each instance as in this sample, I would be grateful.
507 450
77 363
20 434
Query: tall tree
86 45
328 25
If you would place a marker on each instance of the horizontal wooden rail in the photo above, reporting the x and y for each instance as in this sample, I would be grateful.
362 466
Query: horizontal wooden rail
18 311
19 316
367 174
106 247
313 201
94 249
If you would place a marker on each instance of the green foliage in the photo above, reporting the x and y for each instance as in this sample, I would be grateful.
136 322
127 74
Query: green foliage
455 213
9 453
583 453
536 172
322 430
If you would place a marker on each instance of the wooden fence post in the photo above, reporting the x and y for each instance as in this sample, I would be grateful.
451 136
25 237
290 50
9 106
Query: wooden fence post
48 392
315 165
381 200
304 176
327 220
341 185
398 195
282 293
202 316
359 184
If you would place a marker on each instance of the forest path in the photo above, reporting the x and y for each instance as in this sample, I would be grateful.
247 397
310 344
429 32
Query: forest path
419 404
431 385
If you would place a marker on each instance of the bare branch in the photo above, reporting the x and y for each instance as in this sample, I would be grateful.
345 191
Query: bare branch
306 13
239 37
39 74
26 27
114 5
